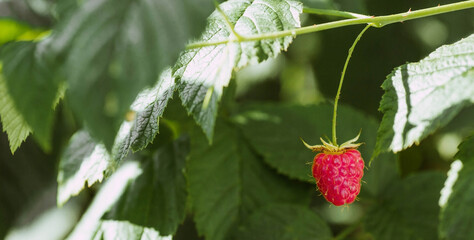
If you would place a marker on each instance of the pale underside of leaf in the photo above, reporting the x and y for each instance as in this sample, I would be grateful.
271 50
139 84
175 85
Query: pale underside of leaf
203 73
421 97
111 230
110 192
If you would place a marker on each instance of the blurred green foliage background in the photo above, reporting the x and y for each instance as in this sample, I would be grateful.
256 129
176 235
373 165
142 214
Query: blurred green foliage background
307 73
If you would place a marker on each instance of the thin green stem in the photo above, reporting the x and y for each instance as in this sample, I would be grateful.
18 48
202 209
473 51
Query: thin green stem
374 21
338 94
334 13
227 21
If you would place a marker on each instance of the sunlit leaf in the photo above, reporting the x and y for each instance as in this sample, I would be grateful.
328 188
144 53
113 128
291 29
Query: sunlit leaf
204 72
13 123
108 195
424 96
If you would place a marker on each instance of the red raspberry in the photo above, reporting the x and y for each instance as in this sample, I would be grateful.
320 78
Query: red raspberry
338 170
338 175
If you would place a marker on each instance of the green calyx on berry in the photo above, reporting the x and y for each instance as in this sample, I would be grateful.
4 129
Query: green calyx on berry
332 148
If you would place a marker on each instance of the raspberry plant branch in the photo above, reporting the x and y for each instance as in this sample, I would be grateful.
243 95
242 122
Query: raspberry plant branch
341 81
379 21
333 13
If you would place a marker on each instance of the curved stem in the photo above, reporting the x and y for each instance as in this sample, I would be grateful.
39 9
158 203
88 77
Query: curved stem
334 13
338 94
374 21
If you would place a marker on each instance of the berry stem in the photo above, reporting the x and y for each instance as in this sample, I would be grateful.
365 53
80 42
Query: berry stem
338 94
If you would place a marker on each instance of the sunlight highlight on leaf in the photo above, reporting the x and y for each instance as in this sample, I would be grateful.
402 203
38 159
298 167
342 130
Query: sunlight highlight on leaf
203 73
424 96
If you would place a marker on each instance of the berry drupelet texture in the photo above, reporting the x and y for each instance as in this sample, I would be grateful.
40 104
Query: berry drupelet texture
338 175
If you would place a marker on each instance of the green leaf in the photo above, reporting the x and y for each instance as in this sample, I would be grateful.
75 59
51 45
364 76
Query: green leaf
148 107
204 72
11 30
84 162
285 222
456 213
227 182
115 48
12 121
30 76
112 230
108 195
157 198
421 97
275 131
407 209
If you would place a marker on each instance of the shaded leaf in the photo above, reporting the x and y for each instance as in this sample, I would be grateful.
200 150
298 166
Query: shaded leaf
32 83
285 222
407 209
456 214
12 121
275 131
421 97
204 72
157 198
227 182
115 48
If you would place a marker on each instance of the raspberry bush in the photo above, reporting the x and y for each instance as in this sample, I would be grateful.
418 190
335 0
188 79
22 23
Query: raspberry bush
155 119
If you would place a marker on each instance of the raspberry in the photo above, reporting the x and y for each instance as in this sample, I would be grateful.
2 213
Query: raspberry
338 170
338 175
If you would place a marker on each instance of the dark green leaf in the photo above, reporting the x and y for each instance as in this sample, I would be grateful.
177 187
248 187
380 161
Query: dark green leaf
148 107
227 182
421 97
275 130
204 72
285 222
456 213
157 197
115 48
32 84
407 209
12 121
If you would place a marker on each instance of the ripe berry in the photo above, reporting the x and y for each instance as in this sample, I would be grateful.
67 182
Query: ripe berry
338 170
338 175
